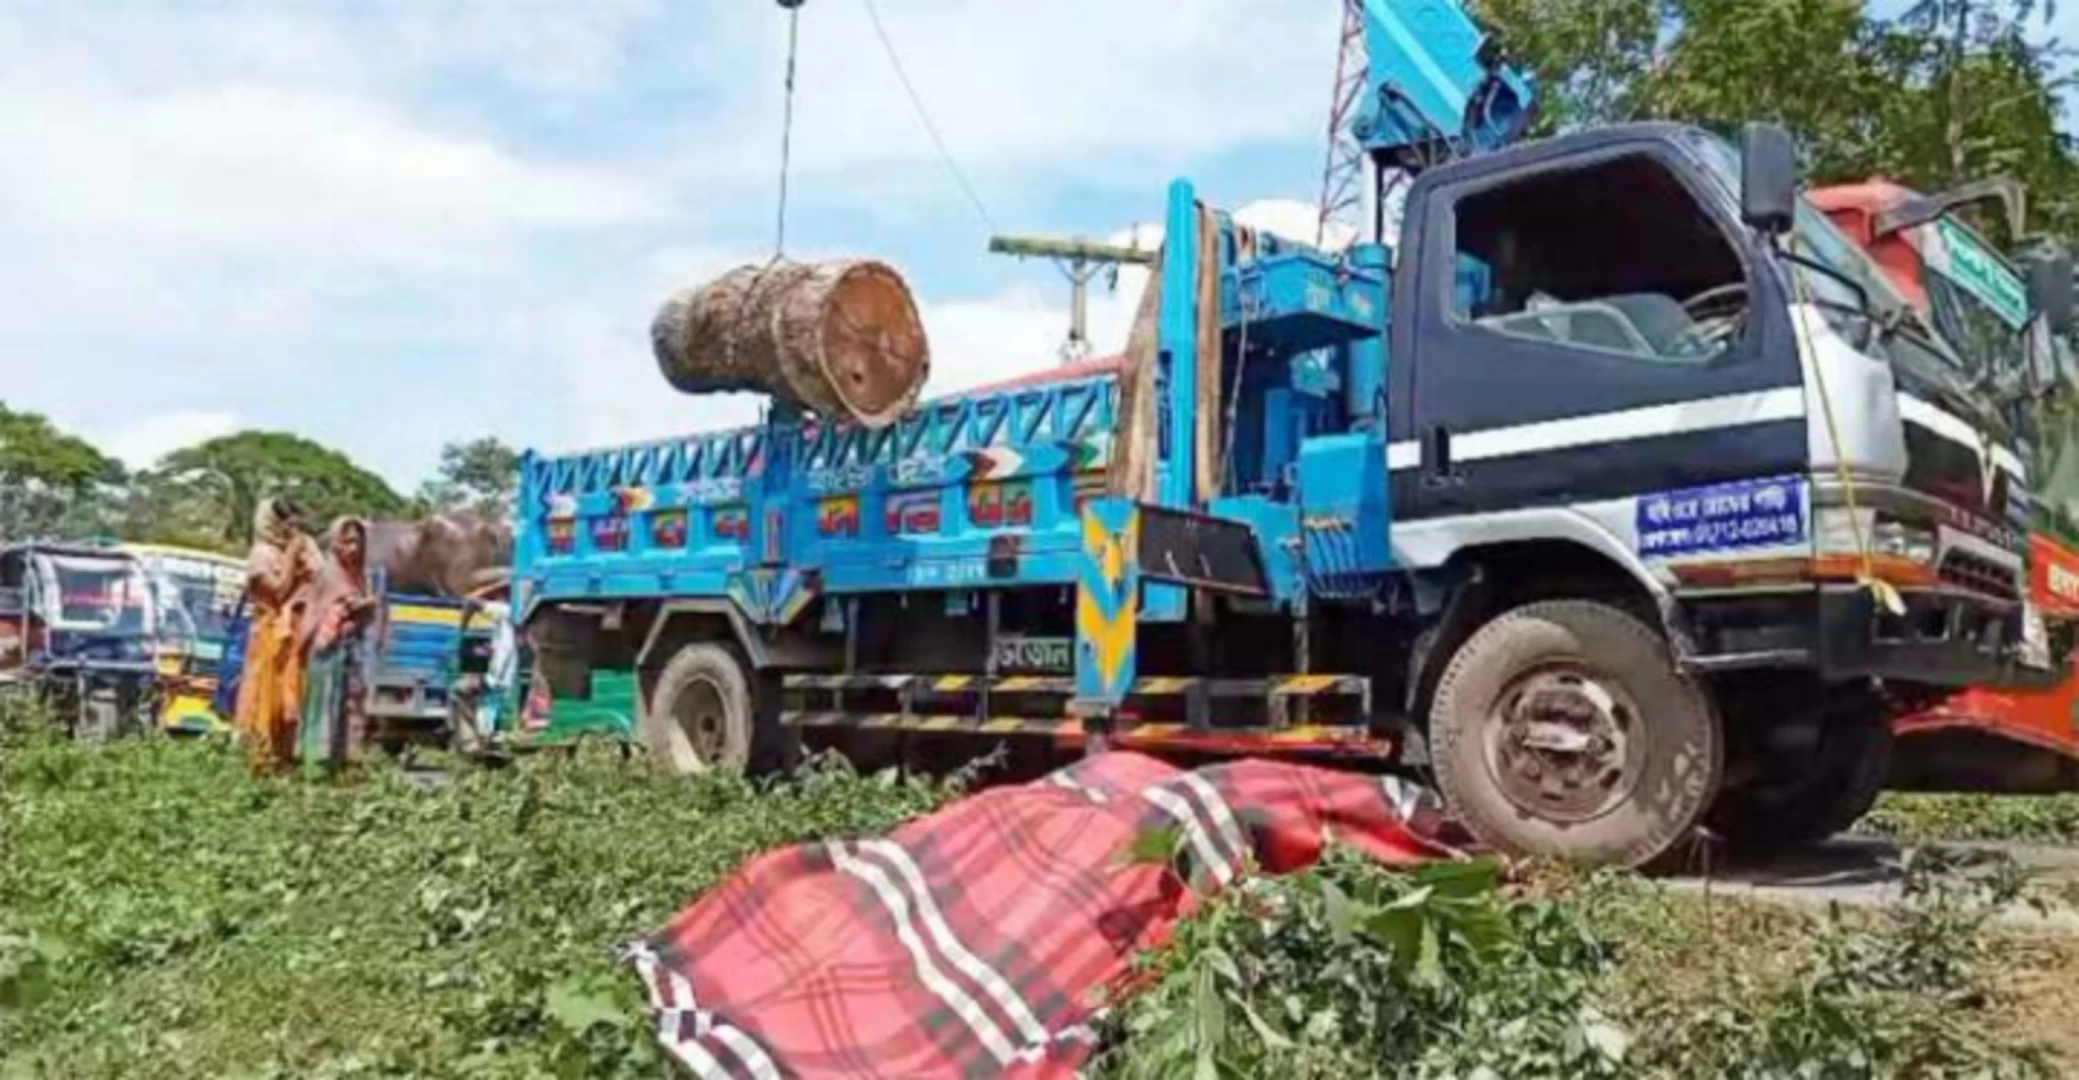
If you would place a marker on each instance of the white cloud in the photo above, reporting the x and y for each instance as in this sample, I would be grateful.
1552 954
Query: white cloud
141 443
300 176
1025 94
384 227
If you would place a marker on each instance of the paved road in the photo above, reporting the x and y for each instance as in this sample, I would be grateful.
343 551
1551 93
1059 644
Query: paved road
1865 872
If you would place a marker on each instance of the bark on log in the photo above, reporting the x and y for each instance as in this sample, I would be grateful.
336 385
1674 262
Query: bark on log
440 556
841 339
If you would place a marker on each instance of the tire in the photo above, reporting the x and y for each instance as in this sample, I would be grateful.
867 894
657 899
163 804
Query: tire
704 714
1633 748
1847 774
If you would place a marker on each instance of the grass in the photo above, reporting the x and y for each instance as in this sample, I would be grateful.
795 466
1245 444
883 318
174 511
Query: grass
163 913
1918 818
1352 972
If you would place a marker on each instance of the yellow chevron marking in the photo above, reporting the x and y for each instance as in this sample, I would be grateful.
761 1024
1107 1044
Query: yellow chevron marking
940 723
1004 726
1018 682
952 682
1113 640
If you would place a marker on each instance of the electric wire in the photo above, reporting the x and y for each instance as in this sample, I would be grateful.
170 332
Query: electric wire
924 116
779 242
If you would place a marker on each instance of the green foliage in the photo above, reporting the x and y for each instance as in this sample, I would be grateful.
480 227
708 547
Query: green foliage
479 477
1352 970
51 483
163 913
1913 818
1891 993
1925 98
223 479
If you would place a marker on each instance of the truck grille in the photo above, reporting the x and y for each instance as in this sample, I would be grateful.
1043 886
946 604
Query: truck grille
1967 571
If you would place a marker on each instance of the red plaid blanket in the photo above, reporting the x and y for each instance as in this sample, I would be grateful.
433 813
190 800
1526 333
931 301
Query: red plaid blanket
979 940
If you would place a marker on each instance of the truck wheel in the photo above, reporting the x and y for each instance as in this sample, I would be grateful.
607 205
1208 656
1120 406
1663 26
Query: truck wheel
1562 728
1836 786
703 714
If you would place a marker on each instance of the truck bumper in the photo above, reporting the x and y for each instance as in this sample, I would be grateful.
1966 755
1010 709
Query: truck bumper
1946 638
1943 639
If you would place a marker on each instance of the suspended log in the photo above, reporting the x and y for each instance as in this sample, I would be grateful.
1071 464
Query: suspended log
840 339
442 555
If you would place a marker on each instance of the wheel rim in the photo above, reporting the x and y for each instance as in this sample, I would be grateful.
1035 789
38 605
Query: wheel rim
1564 743
700 735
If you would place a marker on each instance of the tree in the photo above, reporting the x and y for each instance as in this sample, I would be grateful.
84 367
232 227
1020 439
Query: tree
223 480
479 477
52 483
1949 90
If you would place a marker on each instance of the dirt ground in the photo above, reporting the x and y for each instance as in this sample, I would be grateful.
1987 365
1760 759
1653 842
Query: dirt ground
2035 985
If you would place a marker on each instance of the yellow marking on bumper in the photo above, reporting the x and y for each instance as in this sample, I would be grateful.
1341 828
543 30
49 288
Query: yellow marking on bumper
426 616
1307 684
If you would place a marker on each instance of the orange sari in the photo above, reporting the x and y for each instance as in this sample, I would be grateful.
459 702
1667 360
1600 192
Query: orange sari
280 574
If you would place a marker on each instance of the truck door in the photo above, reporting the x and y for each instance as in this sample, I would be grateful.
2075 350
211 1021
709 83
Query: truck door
1587 323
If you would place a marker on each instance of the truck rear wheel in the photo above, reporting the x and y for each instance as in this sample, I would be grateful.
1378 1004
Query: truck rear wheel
704 714
1562 728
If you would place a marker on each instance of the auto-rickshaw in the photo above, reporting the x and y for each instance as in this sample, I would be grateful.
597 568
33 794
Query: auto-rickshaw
197 594
77 626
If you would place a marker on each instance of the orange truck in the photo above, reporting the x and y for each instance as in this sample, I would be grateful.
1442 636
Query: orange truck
1982 740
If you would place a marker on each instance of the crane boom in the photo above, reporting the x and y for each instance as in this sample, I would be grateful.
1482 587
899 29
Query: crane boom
1437 85
1417 82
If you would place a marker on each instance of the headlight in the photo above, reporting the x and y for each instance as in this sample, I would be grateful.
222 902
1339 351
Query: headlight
1886 536
1903 540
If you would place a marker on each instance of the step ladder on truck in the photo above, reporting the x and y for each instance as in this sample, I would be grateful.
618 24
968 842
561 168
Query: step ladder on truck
1589 489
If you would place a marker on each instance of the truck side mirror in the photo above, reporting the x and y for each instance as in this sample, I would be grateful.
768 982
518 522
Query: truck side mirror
2050 287
1768 178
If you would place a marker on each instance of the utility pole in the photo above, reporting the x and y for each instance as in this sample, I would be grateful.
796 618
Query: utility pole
1080 260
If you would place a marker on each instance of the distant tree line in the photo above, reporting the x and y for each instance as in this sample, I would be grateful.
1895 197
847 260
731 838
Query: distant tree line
54 484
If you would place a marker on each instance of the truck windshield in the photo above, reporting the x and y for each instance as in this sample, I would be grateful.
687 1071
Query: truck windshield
97 595
1817 239
1978 302
196 597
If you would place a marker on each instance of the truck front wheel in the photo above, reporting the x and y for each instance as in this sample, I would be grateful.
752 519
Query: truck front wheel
1562 728
704 714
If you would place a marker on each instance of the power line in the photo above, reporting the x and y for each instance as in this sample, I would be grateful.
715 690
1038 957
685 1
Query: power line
779 243
924 115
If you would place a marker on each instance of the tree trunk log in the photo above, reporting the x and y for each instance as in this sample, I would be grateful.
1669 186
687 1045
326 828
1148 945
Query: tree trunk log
841 339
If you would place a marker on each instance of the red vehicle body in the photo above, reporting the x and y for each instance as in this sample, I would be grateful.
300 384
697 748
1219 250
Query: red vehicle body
1978 740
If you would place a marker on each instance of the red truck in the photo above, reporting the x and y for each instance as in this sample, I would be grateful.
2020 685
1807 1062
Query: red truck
1984 740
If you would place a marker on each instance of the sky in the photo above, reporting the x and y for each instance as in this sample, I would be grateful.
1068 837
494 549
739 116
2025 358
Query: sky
389 224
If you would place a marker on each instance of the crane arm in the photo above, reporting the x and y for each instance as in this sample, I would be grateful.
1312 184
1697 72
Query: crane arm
1436 85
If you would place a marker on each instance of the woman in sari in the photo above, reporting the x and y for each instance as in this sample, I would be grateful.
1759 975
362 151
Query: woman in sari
280 573
334 724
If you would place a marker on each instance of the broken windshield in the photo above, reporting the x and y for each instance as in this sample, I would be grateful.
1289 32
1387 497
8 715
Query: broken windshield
1979 303
1817 239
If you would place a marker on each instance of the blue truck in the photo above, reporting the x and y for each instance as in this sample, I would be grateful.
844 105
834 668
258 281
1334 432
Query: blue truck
1615 487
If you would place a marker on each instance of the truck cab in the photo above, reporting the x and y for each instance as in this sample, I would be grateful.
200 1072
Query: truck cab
1636 364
